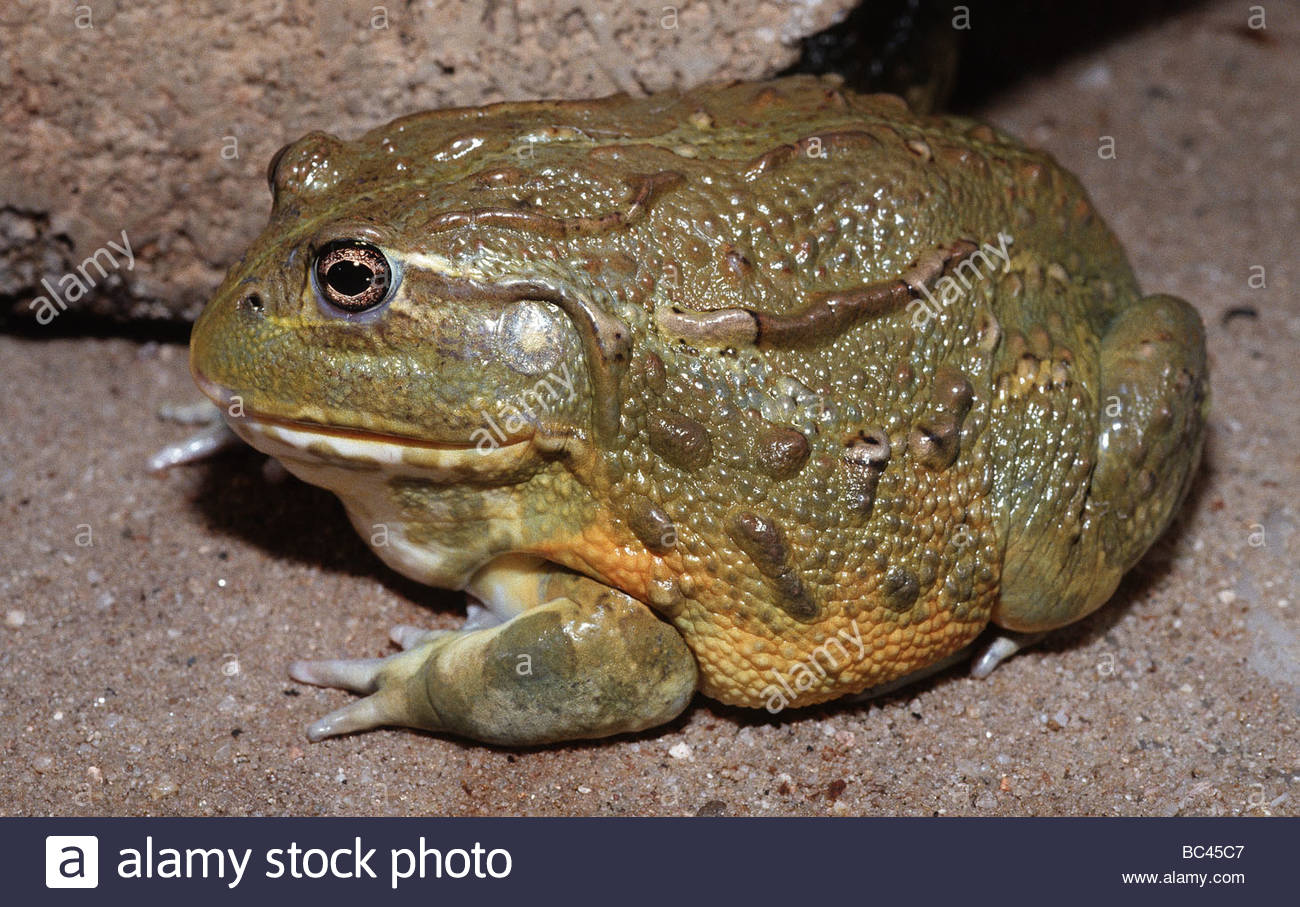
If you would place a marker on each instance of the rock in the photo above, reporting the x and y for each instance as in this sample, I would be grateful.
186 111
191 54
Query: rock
159 119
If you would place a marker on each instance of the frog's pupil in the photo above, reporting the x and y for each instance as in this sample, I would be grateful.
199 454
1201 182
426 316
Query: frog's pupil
350 278
353 276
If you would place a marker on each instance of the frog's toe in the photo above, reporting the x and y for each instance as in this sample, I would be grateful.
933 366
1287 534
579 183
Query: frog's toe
199 446
478 617
199 412
362 715
360 675
387 680
1002 647
408 637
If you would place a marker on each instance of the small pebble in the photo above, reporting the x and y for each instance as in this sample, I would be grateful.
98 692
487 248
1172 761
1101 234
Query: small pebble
15 619
163 787
712 808
680 751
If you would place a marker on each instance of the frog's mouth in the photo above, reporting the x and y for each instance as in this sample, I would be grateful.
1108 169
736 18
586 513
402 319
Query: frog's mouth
306 441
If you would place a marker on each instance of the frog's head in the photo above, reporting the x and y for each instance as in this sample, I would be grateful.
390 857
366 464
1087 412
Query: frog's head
352 333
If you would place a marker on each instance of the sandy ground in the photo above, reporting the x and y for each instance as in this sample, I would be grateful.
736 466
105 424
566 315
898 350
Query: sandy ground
148 622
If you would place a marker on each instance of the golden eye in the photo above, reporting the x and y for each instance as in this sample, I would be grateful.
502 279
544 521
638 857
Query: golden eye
353 276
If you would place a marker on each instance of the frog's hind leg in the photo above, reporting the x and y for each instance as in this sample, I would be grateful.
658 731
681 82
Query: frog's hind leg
578 660
1154 395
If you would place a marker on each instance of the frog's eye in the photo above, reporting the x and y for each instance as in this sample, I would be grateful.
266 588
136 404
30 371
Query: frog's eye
353 276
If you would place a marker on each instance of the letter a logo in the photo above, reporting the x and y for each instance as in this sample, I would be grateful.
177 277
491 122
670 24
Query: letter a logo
71 861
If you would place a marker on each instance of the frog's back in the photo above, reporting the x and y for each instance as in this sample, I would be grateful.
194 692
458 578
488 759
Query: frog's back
814 465
807 467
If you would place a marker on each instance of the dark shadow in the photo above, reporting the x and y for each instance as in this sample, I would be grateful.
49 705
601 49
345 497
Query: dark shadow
290 519
1013 41
895 45
75 324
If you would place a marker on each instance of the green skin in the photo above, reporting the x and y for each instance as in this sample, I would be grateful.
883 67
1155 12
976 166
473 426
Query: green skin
829 366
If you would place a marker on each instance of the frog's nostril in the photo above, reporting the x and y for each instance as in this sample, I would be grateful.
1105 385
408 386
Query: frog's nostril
251 303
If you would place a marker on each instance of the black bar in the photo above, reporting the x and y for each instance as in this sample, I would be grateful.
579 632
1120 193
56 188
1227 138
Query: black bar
661 861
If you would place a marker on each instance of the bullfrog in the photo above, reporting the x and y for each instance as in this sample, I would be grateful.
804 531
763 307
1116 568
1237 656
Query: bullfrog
772 391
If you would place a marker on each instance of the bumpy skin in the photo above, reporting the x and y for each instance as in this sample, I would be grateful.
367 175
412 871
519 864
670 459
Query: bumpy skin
848 383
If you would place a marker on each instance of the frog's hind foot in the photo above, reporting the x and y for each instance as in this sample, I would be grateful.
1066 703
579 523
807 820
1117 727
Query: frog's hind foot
587 663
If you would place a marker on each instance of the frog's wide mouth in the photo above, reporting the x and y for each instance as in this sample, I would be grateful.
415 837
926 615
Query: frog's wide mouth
315 441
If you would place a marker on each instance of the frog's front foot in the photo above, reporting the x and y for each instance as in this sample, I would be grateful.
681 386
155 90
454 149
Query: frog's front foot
212 438
586 661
